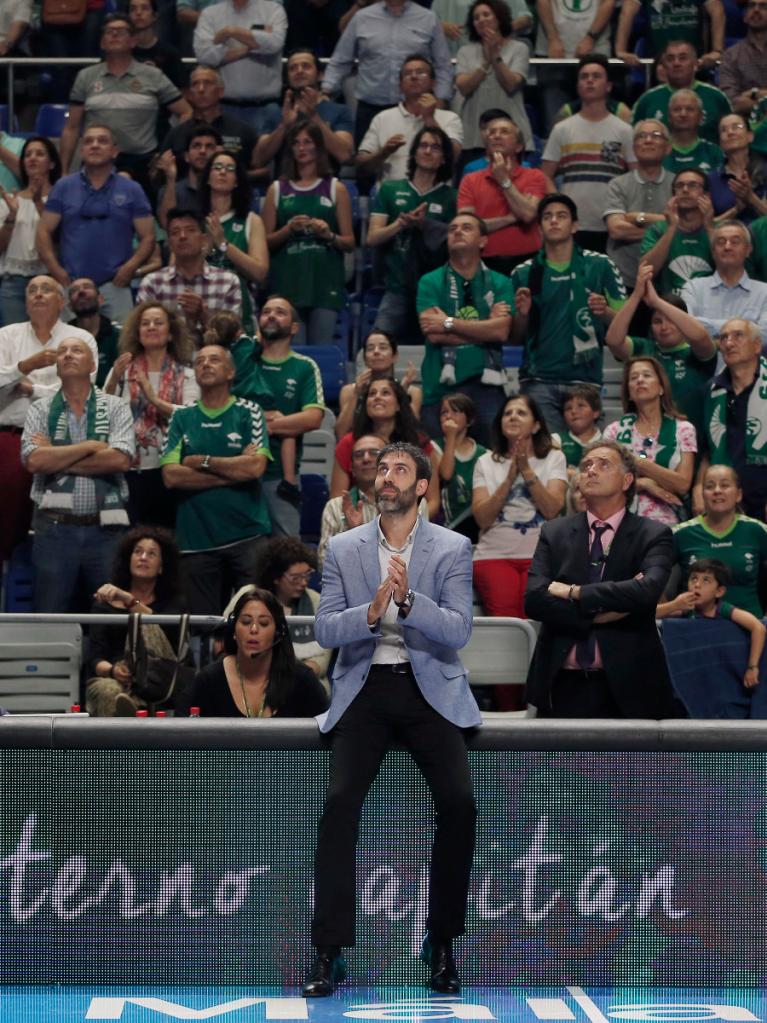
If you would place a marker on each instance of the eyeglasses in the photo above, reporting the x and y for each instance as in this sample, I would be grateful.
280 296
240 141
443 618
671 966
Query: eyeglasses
296 577
228 168
432 147
688 186
362 453
649 136
733 127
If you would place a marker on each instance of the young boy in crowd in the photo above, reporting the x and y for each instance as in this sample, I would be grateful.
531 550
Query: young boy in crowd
581 411
706 586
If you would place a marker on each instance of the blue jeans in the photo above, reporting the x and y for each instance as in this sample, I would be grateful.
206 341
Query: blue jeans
64 555
13 303
286 518
260 118
550 399
317 326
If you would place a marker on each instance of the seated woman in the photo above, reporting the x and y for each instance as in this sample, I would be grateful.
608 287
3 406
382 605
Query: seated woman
739 187
384 410
259 677
662 440
145 579
380 355
285 568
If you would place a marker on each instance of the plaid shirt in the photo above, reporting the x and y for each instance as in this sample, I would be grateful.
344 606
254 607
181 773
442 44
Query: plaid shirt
219 289
743 66
121 437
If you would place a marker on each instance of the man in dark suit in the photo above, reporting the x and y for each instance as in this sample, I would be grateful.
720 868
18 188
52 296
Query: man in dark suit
594 583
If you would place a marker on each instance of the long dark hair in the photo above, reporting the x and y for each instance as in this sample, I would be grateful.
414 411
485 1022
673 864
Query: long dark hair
443 173
53 155
289 170
242 194
667 403
167 583
282 672
541 440
405 422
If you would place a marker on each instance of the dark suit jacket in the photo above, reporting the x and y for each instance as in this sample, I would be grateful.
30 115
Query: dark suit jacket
631 649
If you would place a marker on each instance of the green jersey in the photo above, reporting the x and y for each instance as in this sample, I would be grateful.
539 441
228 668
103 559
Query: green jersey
703 155
550 354
221 516
672 20
757 261
654 104
456 494
395 197
288 385
688 375
742 547
464 300
689 256
572 448
237 235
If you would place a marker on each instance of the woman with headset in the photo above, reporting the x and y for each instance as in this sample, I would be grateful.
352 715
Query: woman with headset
259 676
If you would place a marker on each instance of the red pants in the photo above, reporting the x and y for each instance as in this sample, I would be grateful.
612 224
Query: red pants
501 586
15 483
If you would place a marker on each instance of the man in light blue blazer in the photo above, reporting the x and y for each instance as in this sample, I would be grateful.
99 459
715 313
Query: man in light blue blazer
397 601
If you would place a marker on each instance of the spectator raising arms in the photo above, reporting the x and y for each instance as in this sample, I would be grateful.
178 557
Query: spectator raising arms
308 219
153 374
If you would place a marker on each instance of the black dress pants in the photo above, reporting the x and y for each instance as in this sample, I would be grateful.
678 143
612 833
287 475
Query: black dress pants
390 708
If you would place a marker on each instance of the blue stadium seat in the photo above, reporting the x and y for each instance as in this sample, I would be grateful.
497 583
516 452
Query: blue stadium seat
315 496
354 195
50 120
332 362
4 120
19 579
512 356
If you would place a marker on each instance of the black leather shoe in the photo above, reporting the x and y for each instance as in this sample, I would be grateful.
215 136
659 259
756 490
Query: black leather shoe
438 955
328 969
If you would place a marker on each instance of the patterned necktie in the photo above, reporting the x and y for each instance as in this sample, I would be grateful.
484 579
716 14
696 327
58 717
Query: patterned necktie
585 649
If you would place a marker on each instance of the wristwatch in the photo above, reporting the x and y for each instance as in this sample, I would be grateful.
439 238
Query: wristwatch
506 184
407 602
447 324
641 220
223 246
205 464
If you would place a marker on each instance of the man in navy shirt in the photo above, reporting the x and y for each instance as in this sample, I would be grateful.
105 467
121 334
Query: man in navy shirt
98 212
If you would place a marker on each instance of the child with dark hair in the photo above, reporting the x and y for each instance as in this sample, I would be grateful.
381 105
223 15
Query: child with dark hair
581 411
456 468
707 584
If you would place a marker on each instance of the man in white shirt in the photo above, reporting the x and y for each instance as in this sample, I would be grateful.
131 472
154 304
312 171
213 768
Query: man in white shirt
385 148
244 40
27 373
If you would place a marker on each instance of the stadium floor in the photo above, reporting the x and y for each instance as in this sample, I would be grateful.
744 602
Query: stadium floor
65 1004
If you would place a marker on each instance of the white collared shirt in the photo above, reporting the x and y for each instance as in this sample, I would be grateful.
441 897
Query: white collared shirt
390 648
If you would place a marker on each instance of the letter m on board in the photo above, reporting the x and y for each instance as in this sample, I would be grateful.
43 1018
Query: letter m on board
275 1008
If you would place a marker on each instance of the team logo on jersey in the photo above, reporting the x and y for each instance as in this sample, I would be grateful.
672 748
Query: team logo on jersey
234 437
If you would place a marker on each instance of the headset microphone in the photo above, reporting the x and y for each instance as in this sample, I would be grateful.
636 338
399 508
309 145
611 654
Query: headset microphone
271 646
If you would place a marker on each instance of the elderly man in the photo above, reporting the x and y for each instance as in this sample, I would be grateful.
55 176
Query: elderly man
506 196
88 208
638 199
688 149
123 94
380 37
191 284
680 63
729 292
385 148
735 416
215 455
594 583
27 373
78 443
244 39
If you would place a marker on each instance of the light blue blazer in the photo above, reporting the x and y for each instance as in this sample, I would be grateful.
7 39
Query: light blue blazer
436 628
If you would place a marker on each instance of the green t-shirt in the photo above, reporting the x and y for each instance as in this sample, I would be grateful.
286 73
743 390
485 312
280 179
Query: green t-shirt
743 548
236 235
221 516
688 375
549 355
655 104
434 290
689 256
672 20
456 495
288 385
704 155
572 448
757 261
395 197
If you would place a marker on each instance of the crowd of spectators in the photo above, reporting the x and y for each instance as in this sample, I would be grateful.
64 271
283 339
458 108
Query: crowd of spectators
193 223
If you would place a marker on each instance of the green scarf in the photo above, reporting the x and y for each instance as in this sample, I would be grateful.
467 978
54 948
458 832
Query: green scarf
666 438
756 434
479 311
58 493
584 335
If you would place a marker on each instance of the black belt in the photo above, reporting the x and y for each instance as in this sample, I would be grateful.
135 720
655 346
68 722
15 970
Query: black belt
67 519
11 429
400 668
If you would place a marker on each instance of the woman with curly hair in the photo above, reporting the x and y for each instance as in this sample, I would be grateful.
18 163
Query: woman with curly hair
259 676
237 233
152 373
384 410
145 579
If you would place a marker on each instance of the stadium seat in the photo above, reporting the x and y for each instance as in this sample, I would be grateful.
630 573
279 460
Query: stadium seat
18 579
4 120
39 667
50 120
499 651
318 453
315 491
332 362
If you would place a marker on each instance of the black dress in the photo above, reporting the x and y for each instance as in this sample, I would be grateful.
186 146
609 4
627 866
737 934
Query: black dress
211 693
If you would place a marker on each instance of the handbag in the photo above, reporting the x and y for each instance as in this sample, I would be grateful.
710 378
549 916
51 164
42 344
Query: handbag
63 12
157 668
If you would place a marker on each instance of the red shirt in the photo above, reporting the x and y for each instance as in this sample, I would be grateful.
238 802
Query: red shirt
484 195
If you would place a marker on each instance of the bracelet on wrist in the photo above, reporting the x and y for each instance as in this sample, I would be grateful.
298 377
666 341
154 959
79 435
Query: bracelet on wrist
752 667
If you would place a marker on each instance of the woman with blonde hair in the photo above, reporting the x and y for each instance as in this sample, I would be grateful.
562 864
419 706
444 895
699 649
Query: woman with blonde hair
152 373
